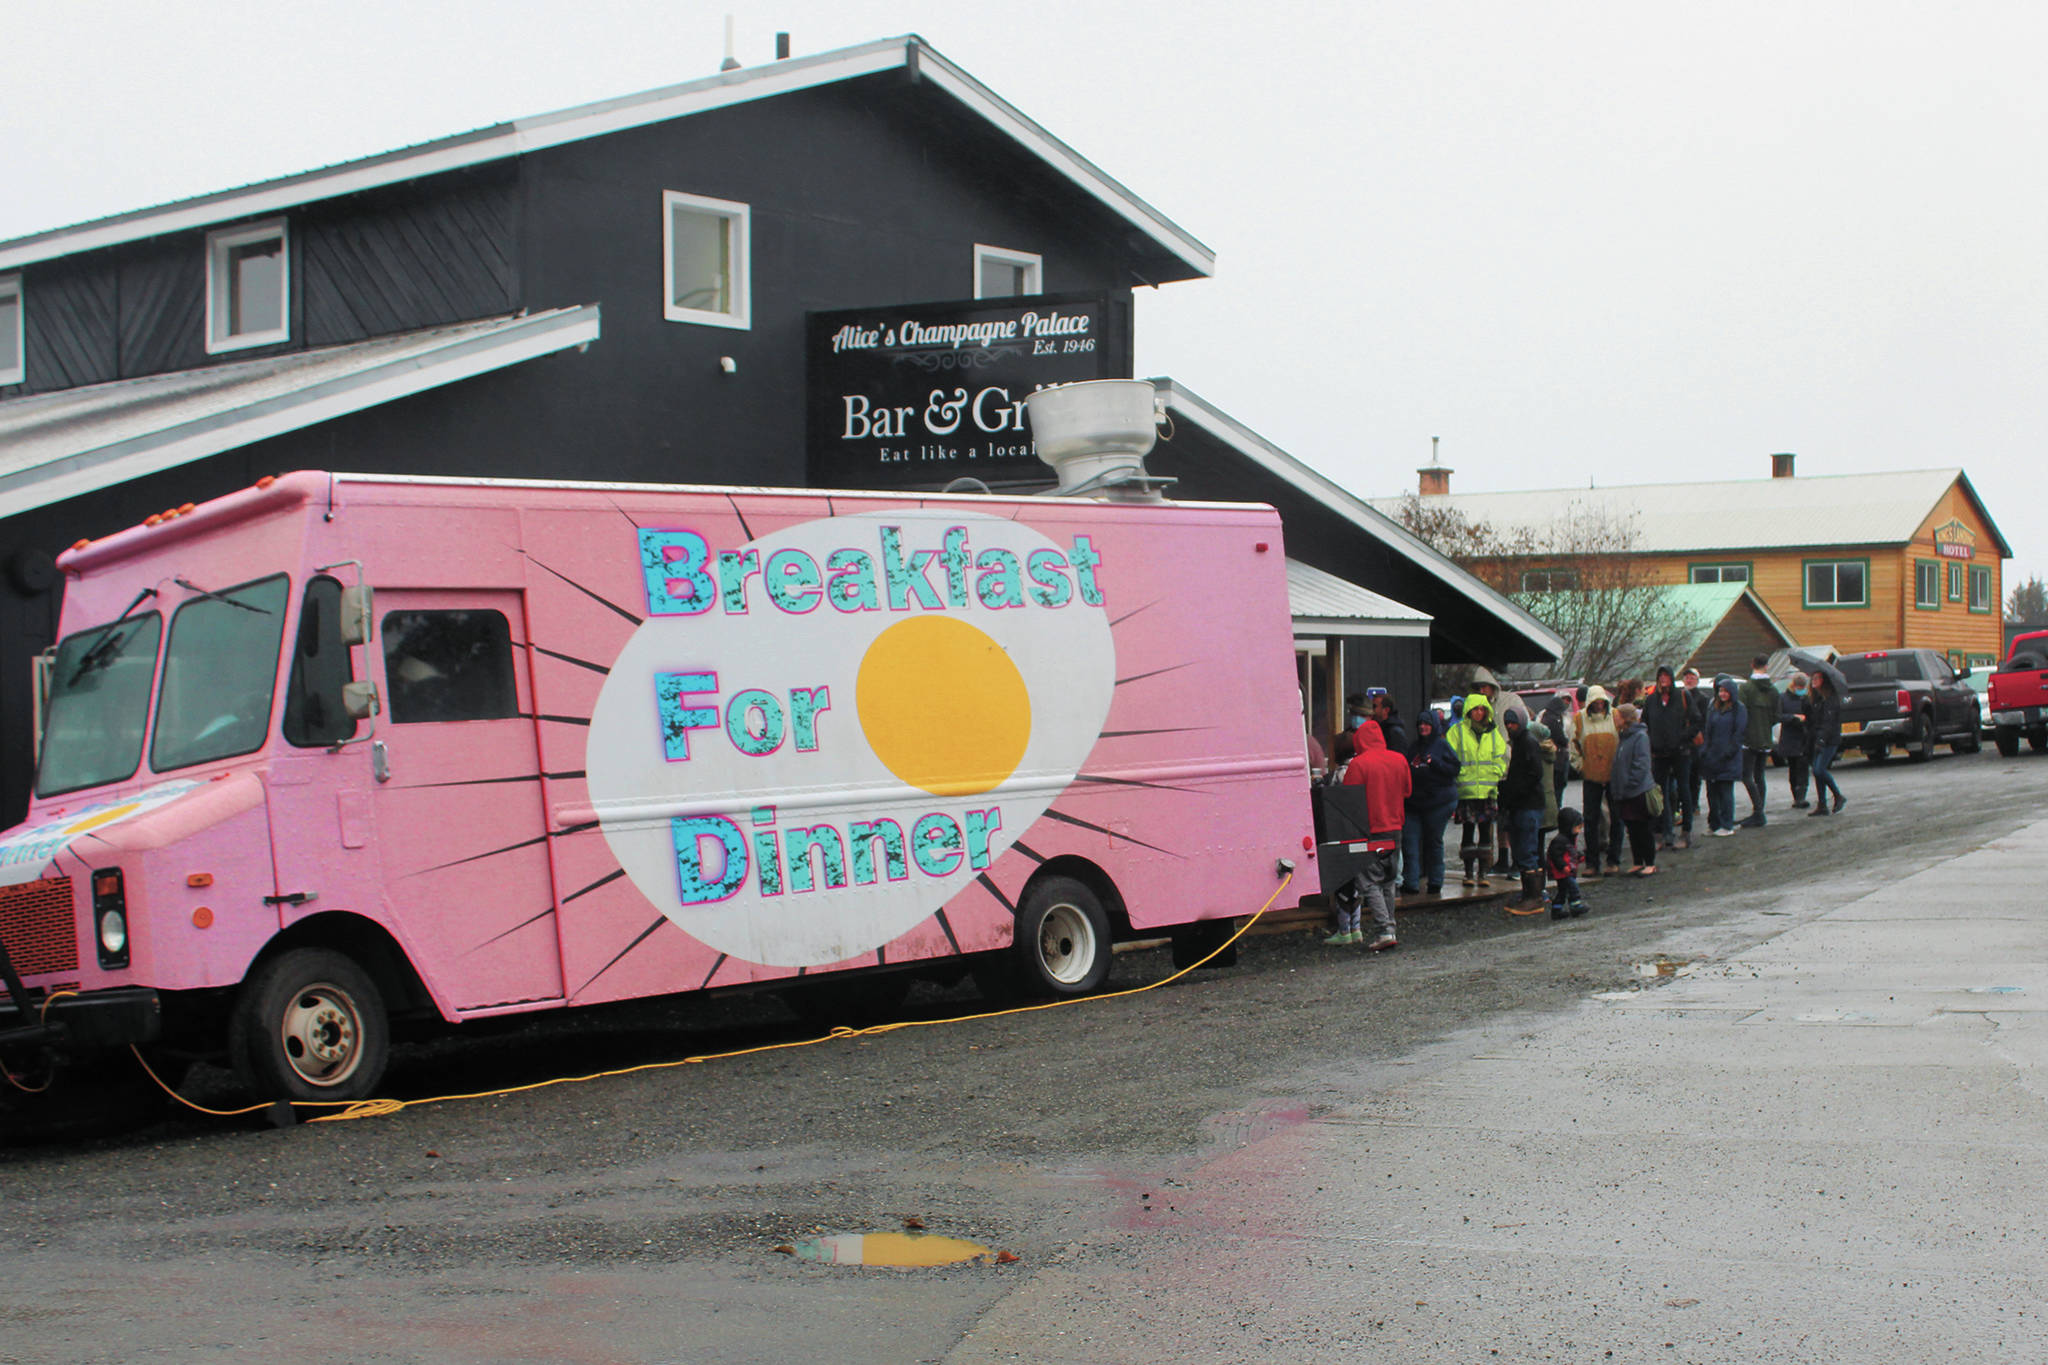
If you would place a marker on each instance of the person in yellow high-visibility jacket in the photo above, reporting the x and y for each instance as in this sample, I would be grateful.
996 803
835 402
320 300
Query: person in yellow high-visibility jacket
1482 751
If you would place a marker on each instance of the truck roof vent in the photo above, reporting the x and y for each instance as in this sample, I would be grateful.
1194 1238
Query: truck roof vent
1095 436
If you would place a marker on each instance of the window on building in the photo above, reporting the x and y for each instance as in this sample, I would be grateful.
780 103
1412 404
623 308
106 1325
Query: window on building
704 247
1927 585
1955 582
1720 573
13 347
1837 583
248 287
1980 589
449 665
1549 580
1000 273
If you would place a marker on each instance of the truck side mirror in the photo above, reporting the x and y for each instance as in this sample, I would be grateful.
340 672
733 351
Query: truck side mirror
1962 672
357 603
360 699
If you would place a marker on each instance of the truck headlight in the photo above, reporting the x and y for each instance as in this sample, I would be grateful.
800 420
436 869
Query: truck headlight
110 916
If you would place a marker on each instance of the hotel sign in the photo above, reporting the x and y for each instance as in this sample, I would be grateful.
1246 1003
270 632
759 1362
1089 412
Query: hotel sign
1955 541
917 395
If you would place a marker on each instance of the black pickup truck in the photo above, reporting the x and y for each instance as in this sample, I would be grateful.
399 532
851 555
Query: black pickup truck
1910 698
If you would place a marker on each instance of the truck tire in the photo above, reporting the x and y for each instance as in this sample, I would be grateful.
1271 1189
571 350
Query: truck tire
2008 741
1923 741
2037 740
1878 753
309 1024
1972 740
1063 945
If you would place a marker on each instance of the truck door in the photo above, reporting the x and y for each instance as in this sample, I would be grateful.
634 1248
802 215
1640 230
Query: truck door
460 818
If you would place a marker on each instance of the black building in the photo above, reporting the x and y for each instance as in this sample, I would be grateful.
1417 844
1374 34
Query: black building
619 291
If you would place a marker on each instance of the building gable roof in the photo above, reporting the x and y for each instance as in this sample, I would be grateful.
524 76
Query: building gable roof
1736 514
71 441
519 136
1324 604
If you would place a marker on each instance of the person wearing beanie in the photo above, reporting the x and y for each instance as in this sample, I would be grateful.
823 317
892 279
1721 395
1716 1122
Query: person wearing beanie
1561 863
1433 793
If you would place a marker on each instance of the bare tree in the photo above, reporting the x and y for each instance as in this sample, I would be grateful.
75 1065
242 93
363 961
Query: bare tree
1580 574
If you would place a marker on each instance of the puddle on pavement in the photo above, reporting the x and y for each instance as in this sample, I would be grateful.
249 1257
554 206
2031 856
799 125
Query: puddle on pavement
895 1250
1998 990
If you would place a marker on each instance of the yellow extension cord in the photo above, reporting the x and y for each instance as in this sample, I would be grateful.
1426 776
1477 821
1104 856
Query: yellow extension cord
363 1109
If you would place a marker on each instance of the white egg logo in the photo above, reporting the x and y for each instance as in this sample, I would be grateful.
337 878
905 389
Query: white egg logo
829 731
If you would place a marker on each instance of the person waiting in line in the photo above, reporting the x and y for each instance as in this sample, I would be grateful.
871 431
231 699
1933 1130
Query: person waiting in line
1482 752
1721 755
1561 864
1701 696
1792 738
1379 705
1666 715
1556 718
1760 702
1432 794
1593 742
1824 740
1631 785
1343 748
1384 775
1521 806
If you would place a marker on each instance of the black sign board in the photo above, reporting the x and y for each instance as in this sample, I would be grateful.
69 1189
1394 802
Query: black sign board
917 395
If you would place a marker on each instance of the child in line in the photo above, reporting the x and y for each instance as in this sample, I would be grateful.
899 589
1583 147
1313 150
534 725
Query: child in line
1561 860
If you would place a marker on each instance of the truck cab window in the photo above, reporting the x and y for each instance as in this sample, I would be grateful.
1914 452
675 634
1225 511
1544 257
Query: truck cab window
314 716
449 665
220 669
99 704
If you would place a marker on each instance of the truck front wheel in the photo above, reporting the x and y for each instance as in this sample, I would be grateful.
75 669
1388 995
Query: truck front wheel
310 1025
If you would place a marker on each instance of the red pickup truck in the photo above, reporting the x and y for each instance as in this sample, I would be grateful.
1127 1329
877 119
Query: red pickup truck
2019 695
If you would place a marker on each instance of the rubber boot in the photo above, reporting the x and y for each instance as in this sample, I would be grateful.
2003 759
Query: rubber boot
1532 892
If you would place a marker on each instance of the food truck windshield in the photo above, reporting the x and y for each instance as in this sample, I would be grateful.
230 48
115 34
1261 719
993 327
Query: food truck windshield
215 701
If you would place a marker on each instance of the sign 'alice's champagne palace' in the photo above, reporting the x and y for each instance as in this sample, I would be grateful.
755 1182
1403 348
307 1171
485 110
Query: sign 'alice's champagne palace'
917 395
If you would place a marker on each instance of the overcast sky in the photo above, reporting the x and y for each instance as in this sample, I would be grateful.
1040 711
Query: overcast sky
1619 242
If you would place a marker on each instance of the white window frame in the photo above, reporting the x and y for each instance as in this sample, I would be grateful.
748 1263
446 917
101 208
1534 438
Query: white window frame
740 290
1003 255
218 245
10 288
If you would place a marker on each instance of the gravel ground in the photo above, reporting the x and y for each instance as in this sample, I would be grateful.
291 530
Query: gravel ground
193 1238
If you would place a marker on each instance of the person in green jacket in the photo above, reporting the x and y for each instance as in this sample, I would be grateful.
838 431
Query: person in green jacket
1482 752
1761 699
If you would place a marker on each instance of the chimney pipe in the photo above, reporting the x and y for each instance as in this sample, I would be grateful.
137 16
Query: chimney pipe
1781 464
1436 477
782 47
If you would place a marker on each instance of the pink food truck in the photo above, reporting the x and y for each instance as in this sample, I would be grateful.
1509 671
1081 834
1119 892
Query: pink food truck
340 751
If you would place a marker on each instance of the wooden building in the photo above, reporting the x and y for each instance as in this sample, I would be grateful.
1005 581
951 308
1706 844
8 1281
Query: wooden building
1857 561
632 290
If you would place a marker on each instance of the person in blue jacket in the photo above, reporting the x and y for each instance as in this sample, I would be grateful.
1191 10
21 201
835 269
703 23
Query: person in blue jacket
1720 754
1432 794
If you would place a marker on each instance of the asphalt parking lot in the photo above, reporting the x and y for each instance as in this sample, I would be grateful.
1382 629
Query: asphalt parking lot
637 1217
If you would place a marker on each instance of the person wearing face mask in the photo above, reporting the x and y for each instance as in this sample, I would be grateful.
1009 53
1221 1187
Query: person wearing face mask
1721 755
1792 737
1482 751
1344 747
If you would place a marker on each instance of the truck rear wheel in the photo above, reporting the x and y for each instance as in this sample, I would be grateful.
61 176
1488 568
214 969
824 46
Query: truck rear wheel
2037 740
1923 743
1063 945
309 1024
2008 741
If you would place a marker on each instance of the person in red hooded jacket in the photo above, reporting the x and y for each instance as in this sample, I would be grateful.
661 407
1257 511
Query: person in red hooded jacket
1384 775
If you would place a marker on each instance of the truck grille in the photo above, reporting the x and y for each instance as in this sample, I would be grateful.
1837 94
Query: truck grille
39 925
